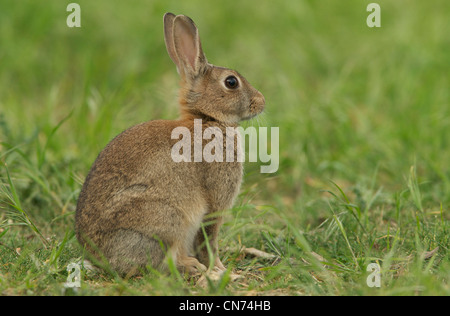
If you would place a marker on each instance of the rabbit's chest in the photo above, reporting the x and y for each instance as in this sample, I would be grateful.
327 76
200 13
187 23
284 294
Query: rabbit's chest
221 184
222 179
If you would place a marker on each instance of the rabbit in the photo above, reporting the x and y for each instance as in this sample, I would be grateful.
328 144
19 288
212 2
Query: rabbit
137 207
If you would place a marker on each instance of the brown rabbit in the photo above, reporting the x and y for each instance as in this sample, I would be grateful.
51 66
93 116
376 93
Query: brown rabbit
138 207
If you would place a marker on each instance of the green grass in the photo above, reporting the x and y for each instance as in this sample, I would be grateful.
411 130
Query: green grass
364 120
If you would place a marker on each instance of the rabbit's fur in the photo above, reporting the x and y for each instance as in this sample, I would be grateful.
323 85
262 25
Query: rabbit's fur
137 206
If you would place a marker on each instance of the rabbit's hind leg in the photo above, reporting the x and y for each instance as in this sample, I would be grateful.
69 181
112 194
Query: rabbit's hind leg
130 252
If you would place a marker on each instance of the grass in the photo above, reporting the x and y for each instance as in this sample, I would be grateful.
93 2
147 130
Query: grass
364 120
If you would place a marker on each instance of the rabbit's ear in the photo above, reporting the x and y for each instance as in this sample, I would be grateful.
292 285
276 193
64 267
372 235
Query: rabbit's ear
168 37
190 58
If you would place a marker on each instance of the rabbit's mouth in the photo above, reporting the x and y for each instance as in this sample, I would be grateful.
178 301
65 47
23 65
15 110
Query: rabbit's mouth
249 117
254 111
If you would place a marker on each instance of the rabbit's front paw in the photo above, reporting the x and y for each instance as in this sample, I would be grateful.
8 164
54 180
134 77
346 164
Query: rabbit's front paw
191 265
219 265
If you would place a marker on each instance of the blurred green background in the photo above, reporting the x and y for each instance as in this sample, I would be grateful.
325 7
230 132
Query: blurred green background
363 113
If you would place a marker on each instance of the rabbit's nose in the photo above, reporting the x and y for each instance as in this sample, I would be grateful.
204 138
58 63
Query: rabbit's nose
257 103
259 99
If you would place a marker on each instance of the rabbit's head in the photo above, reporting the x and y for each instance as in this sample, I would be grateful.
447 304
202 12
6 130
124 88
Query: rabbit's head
207 90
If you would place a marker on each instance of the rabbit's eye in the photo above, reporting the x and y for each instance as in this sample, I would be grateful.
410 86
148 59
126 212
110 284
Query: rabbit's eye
231 82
